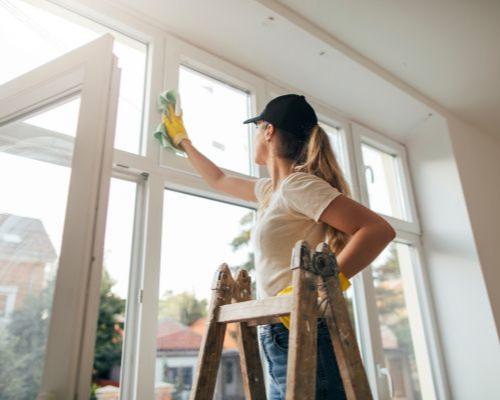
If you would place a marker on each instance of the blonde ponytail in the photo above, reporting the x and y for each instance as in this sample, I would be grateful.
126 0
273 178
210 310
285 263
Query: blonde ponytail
317 158
314 155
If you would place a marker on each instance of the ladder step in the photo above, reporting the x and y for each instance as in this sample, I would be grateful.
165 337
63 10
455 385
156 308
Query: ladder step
255 309
259 312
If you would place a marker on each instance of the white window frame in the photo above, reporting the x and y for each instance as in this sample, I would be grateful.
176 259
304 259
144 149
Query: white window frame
361 134
160 172
133 302
407 232
72 321
366 324
180 53
124 25
136 375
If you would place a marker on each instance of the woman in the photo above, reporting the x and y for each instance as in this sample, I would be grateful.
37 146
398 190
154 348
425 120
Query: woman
306 197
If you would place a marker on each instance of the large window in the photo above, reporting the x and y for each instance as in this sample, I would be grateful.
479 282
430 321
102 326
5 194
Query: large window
384 183
198 236
111 324
338 143
34 183
213 113
401 327
401 346
34 33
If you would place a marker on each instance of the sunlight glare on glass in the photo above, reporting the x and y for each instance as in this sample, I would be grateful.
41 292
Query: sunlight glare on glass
213 114
34 35
382 181
62 119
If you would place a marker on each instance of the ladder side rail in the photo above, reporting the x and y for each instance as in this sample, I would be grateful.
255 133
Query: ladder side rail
302 348
213 339
250 362
339 324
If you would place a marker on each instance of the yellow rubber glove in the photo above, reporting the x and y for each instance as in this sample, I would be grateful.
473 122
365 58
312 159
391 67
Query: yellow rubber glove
285 319
174 125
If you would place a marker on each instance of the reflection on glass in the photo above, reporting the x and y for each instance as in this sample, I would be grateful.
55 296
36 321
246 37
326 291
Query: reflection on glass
383 182
404 346
213 114
193 247
113 294
35 162
33 35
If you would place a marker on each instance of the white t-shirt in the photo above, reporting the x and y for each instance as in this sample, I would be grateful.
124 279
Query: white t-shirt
292 214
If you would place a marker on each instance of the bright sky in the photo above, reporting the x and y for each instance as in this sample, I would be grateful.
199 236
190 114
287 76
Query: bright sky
32 36
199 228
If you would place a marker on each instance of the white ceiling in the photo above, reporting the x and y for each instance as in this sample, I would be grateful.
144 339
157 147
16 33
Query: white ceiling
445 49
448 49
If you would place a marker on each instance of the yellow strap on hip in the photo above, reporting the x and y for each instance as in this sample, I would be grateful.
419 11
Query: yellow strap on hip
285 319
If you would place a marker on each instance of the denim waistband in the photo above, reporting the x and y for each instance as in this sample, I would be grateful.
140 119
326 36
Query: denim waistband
268 328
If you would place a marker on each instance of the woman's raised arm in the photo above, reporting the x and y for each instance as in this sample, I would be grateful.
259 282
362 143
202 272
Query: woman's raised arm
216 178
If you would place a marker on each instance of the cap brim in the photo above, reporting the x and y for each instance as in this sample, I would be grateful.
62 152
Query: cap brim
254 119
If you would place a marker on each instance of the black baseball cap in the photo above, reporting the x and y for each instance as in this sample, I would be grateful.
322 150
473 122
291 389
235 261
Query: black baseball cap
290 112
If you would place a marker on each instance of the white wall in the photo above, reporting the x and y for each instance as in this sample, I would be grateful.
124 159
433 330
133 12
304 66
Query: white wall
478 162
468 335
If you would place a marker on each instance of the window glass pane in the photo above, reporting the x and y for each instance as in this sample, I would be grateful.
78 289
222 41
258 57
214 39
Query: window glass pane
192 250
383 182
32 36
401 326
213 114
114 287
337 143
35 160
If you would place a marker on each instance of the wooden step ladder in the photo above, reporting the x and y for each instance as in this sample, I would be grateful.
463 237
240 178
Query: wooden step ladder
316 292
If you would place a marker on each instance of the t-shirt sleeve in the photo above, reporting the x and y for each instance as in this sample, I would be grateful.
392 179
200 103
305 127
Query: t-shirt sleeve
261 185
308 194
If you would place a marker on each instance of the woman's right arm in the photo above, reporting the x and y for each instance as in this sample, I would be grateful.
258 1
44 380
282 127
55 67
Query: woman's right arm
216 178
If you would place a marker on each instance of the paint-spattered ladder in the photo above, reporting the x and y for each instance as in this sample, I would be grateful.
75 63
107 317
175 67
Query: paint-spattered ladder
315 278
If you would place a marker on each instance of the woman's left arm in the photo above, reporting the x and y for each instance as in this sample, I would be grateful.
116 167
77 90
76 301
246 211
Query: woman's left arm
370 233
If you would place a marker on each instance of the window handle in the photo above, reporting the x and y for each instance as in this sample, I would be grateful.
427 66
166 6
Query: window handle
385 371
372 175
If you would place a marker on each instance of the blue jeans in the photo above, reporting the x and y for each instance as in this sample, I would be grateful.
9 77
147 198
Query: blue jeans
274 340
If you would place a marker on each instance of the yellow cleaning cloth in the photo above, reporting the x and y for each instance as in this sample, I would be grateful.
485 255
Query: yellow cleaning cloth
285 319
